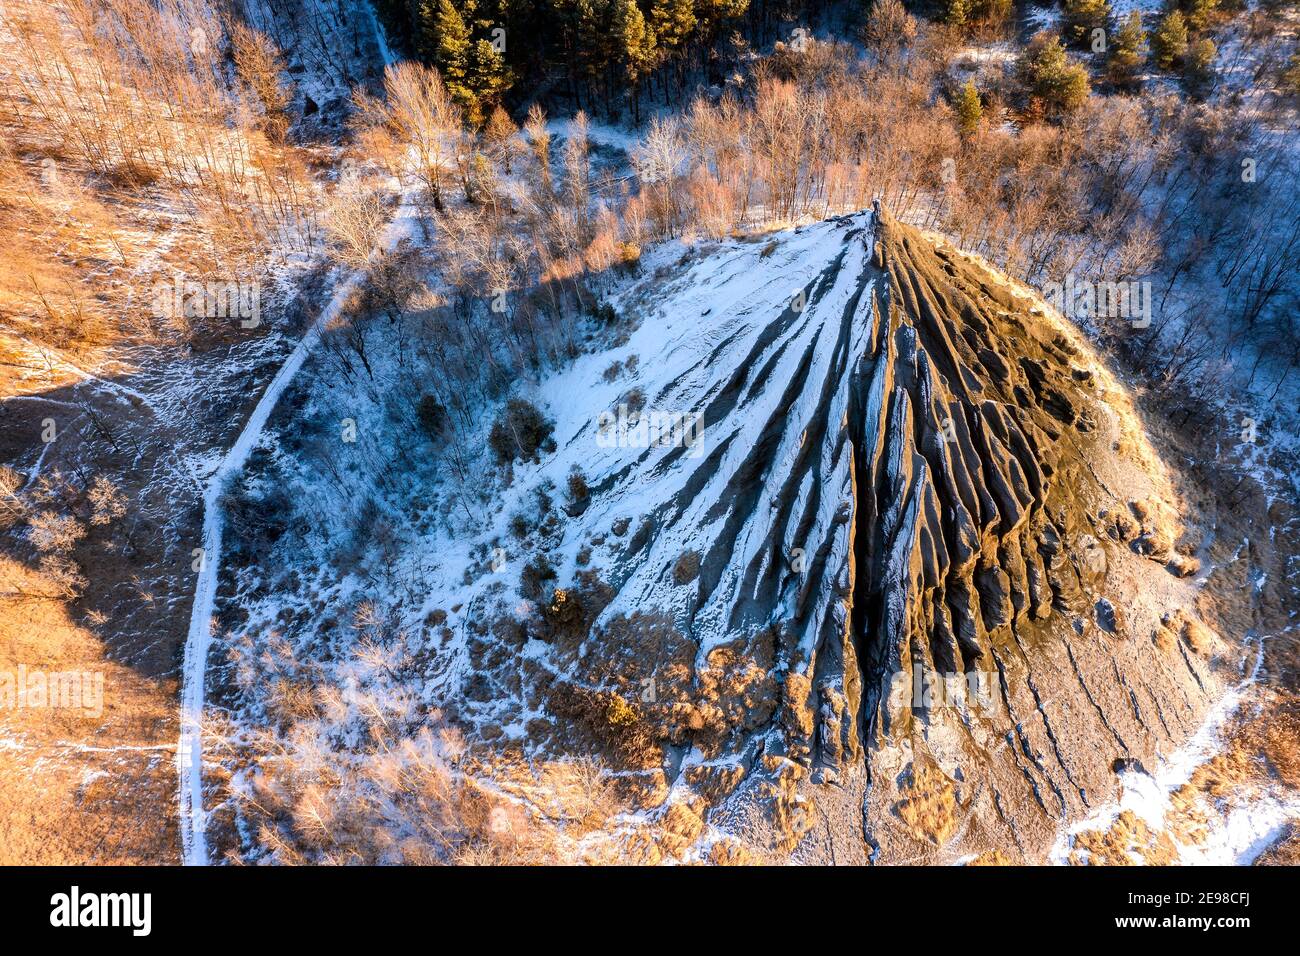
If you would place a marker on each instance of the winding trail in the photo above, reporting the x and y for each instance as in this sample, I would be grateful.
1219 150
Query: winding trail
189 754
198 641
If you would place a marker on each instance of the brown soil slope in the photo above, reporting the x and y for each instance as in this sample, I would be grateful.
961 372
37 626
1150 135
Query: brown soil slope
996 610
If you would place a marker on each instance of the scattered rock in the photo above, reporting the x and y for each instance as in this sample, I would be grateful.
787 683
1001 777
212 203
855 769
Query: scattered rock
1121 526
825 775
1109 617
1092 562
1128 765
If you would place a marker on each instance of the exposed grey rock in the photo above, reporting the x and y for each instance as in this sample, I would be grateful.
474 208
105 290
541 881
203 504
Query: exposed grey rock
1109 618
899 493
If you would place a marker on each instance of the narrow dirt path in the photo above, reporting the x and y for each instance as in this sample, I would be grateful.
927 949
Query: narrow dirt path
198 641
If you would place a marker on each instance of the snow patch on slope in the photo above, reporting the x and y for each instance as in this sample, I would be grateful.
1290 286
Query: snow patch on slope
1235 831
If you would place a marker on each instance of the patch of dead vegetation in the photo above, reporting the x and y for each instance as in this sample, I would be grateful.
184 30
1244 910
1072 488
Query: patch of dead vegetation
789 812
75 784
412 791
1285 850
620 728
929 804
1274 736
1179 625
639 687
1262 752
992 858
1129 841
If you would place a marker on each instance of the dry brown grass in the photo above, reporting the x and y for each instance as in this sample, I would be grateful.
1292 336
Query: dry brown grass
127 161
1285 851
1274 738
992 858
929 807
364 774
74 787
409 790
1262 751
1127 842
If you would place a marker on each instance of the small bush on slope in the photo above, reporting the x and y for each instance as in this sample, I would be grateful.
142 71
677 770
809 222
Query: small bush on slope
1124 56
1082 17
353 770
969 110
520 432
433 416
1198 65
535 572
1169 40
1051 78
579 493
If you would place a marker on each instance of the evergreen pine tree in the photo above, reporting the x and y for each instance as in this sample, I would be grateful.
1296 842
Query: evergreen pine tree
673 22
712 14
1082 17
969 111
1169 40
451 51
1125 54
1198 65
1198 13
596 45
1050 77
488 78
426 30
637 51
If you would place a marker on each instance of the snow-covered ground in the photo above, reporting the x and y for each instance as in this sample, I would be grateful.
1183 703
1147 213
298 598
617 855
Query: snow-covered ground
198 642
456 556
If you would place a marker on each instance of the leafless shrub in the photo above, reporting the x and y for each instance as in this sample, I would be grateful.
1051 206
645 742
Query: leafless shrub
352 772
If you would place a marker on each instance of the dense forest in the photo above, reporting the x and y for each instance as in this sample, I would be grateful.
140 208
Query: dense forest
607 55
586 50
